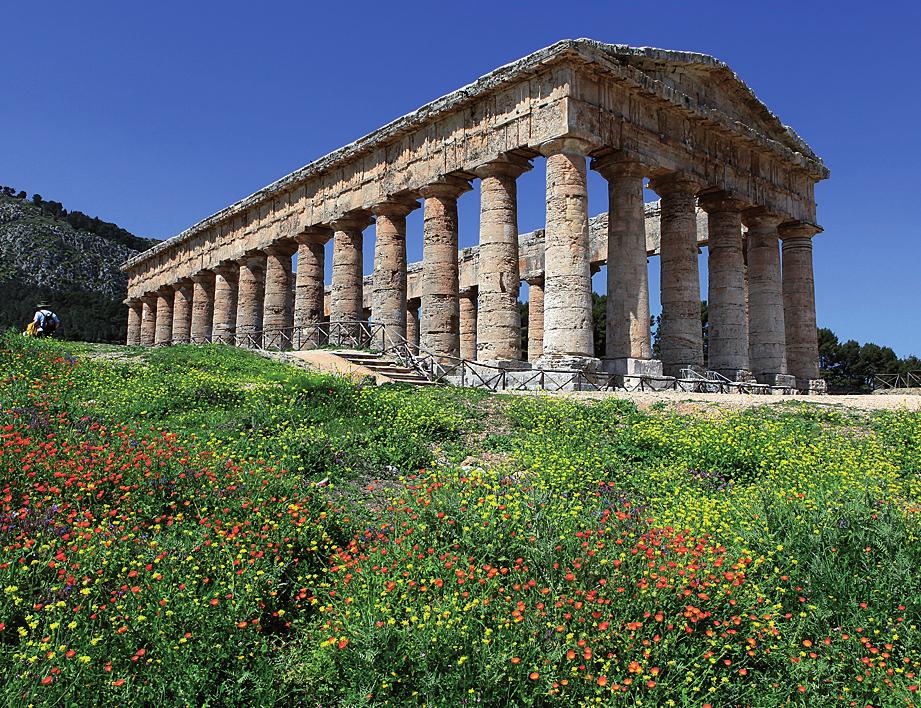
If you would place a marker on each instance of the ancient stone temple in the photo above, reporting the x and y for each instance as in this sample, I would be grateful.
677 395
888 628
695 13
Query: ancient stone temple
730 177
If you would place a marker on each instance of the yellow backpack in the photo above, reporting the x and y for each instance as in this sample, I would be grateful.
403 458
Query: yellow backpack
32 329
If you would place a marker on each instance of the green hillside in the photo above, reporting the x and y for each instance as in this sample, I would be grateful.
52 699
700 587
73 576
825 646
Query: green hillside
44 256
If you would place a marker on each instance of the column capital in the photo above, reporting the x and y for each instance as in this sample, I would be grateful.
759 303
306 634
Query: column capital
395 207
615 164
149 297
132 301
357 220
798 229
534 279
448 186
285 247
759 218
714 202
675 183
568 145
315 234
203 276
506 165
182 283
252 257
468 292
165 290
226 268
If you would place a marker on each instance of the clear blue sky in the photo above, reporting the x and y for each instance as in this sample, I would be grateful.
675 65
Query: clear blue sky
155 115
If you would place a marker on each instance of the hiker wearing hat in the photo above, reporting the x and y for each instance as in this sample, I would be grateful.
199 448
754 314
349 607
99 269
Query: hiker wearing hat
44 323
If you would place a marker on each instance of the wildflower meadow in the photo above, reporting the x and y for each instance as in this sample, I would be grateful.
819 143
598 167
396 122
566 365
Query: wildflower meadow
200 525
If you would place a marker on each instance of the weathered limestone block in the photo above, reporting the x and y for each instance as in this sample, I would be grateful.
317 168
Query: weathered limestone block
149 320
202 306
346 294
567 261
135 311
498 321
799 304
308 294
468 326
767 337
164 326
250 294
225 302
728 329
535 319
277 307
389 294
182 311
680 333
627 332
440 312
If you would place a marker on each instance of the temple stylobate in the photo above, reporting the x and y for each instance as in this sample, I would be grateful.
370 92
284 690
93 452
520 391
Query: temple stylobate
730 176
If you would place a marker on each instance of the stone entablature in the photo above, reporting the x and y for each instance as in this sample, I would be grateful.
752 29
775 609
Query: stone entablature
673 110
683 121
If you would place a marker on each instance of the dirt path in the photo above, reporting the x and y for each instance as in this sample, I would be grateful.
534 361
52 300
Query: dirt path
683 402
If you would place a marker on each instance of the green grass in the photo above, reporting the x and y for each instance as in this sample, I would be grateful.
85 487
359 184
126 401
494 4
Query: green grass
164 540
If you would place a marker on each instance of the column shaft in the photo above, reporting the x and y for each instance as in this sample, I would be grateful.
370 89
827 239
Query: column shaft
164 326
468 324
727 327
149 321
135 311
182 312
224 327
767 338
202 307
535 320
498 321
680 332
388 299
440 310
347 290
277 312
412 325
250 295
627 330
799 305
308 293
567 259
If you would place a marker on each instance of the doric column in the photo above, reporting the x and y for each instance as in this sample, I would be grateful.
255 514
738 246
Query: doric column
250 295
535 318
440 310
766 336
149 320
164 326
182 311
135 311
468 327
627 330
412 324
567 259
277 306
224 328
388 297
680 332
498 321
799 305
347 292
308 291
202 306
727 327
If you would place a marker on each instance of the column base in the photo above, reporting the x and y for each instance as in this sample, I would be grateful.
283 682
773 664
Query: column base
739 375
507 364
629 366
569 362
782 380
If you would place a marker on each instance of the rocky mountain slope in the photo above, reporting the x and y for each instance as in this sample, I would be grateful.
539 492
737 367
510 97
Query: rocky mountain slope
42 257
